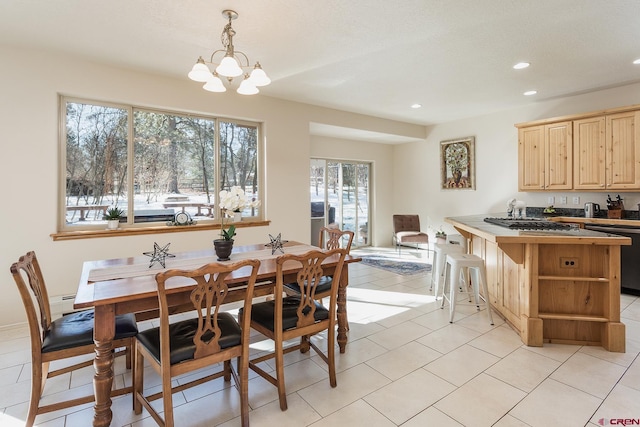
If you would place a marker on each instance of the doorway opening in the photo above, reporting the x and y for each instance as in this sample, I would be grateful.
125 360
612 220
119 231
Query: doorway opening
340 194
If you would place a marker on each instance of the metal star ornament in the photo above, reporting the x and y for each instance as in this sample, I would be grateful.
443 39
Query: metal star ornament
159 254
276 243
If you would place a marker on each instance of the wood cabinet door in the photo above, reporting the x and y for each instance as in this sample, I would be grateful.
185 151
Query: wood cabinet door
623 151
531 158
589 153
558 157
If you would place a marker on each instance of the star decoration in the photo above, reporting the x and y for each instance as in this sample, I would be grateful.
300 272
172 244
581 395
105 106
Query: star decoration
159 254
276 243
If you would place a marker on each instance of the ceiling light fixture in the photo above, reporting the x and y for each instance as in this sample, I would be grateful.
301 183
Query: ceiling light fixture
231 65
637 61
521 65
414 106
530 92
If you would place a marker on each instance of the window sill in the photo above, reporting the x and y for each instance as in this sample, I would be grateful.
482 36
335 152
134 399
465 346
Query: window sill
160 229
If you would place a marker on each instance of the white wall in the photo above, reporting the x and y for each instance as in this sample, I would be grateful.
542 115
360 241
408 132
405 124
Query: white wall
30 83
416 179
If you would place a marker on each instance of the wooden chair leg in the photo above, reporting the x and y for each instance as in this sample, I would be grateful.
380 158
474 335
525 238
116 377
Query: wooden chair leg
331 354
138 382
167 399
282 395
227 370
243 373
37 384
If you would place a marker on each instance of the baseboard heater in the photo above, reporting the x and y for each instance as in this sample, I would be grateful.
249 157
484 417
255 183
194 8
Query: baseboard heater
61 305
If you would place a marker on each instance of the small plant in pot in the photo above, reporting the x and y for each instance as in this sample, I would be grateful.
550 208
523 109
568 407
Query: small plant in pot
113 216
441 236
224 246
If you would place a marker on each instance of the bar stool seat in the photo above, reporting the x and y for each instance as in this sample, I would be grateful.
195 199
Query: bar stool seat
454 265
440 252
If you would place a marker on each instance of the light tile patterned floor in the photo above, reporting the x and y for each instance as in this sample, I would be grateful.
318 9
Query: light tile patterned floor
405 365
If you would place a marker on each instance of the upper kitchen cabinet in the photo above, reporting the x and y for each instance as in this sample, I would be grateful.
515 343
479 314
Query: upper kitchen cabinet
623 151
545 157
592 151
589 153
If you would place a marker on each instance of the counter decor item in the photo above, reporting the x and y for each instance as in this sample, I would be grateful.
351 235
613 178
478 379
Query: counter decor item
615 208
457 164
441 236
159 254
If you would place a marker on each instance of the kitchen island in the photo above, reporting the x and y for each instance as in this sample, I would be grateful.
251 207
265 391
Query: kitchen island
560 286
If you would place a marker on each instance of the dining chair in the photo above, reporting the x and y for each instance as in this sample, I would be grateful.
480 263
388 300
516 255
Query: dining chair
62 338
335 238
286 317
211 336
406 230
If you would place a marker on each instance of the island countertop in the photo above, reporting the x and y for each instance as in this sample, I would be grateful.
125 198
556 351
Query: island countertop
476 225
552 286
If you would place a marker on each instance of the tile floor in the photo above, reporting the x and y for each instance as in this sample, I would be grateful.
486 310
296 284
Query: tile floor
405 365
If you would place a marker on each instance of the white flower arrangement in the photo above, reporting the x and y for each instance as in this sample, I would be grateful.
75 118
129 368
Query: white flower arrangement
235 200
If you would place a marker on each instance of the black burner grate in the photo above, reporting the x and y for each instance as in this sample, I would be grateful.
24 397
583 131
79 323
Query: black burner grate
527 224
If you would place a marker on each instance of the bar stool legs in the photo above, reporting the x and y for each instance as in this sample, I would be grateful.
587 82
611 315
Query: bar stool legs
440 251
455 265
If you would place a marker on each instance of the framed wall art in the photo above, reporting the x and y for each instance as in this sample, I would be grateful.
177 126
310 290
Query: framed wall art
457 164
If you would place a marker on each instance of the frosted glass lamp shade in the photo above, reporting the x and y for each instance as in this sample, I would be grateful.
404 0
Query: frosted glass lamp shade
258 76
229 67
247 87
214 84
200 72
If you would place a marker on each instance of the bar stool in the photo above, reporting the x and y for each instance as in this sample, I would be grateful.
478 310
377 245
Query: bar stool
440 252
454 266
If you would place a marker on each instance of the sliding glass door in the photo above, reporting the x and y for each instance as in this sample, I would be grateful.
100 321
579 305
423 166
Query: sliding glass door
340 196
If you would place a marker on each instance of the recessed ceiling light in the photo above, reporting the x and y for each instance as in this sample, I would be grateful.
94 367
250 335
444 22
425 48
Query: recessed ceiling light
414 106
530 92
637 61
521 65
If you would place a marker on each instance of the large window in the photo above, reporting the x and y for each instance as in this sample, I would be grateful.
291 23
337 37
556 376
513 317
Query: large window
151 164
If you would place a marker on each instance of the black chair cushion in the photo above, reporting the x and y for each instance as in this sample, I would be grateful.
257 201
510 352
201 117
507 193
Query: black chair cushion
181 337
263 313
323 286
76 329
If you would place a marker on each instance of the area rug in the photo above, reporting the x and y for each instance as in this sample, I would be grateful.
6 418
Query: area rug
399 267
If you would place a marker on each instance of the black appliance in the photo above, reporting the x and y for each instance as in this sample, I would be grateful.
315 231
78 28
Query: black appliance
527 223
629 255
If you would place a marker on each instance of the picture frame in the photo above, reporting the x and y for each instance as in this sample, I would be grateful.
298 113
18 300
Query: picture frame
457 164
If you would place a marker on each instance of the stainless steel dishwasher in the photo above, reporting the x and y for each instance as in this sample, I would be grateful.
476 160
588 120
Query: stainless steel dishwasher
629 255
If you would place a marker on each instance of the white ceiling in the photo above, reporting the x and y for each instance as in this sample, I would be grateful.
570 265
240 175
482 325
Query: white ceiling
375 57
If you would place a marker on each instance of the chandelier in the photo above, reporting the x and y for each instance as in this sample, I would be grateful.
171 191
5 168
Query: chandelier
231 65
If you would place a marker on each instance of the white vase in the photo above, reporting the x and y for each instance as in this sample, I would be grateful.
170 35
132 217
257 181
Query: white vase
112 224
237 216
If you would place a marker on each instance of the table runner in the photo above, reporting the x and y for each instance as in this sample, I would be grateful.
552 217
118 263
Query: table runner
140 265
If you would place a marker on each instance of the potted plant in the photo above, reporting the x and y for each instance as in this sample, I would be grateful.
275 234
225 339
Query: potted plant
441 236
224 246
112 216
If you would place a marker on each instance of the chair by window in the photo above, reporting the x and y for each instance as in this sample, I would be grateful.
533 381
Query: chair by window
63 338
285 318
406 230
211 336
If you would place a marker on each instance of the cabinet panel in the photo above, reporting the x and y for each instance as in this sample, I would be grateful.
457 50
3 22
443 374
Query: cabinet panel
530 158
558 156
589 154
623 151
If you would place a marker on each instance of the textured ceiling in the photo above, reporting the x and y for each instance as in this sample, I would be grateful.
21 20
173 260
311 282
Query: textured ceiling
375 57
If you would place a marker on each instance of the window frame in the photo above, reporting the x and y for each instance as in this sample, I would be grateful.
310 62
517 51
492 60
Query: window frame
130 227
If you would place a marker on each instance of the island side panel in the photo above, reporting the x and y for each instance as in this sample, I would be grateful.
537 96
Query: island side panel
613 334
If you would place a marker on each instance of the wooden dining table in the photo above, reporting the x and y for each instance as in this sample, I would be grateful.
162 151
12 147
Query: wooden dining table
127 285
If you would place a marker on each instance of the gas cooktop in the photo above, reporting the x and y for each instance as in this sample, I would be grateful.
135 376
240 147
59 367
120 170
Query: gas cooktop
527 223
